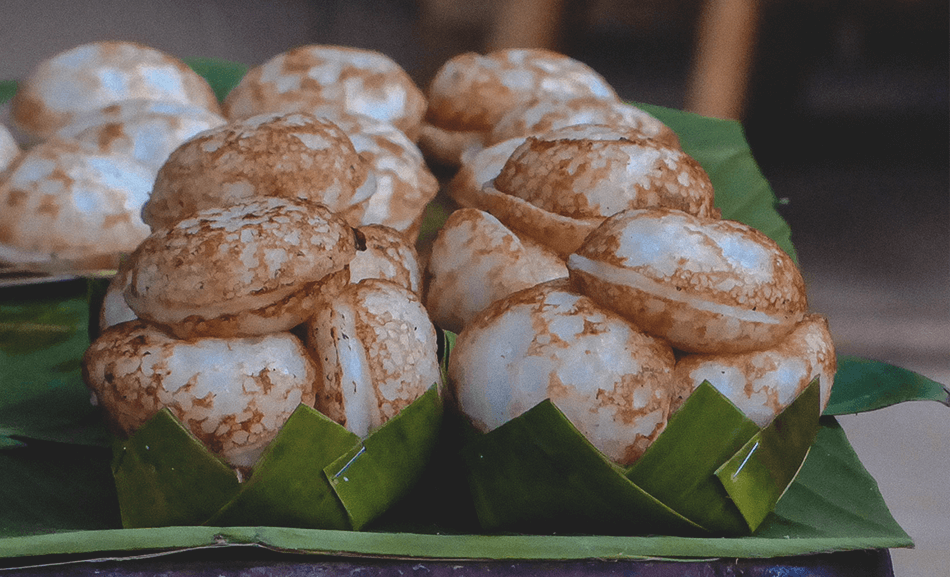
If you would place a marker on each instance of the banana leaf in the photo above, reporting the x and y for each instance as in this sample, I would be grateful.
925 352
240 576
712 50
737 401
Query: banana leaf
865 385
538 472
758 475
833 505
43 334
315 474
164 476
222 75
742 192
7 90
678 468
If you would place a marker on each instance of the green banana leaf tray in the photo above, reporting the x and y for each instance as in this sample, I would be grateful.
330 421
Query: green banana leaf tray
58 495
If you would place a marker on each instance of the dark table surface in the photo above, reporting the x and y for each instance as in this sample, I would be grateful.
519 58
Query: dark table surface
253 561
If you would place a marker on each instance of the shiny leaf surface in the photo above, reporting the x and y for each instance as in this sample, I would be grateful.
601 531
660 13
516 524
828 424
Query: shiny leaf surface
758 475
288 486
164 476
678 468
370 478
865 385
537 472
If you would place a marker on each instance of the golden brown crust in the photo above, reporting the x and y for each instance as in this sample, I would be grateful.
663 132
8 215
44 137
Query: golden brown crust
706 285
594 171
348 79
64 201
228 261
232 394
540 115
557 187
294 155
549 342
471 93
70 82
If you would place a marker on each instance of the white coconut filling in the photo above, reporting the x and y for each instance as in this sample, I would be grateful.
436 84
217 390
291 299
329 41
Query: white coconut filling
629 278
355 378
499 367
114 309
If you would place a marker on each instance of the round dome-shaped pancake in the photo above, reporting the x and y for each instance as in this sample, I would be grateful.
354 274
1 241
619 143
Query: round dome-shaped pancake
352 80
293 155
95 75
762 383
248 269
705 285
147 130
471 93
377 352
66 204
234 395
547 342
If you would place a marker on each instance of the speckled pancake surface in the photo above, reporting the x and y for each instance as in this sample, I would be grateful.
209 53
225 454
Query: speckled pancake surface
471 93
475 261
377 352
385 253
352 80
559 186
147 130
234 395
64 200
253 265
547 342
705 285
540 115
762 383
293 155
95 75
404 185
591 171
